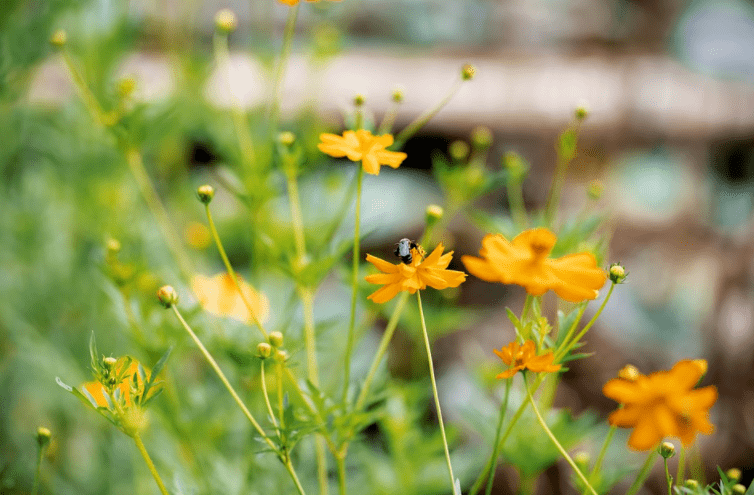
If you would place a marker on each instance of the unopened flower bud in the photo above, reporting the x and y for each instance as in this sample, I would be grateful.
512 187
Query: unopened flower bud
109 362
738 489
629 372
397 95
167 296
691 484
581 112
276 339
359 100
125 87
617 273
113 246
286 138
264 350
515 165
434 213
58 38
205 193
582 459
595 189
458 150
281 356
468 72
43 436
702 365
225 21
481 137
667 450
733 474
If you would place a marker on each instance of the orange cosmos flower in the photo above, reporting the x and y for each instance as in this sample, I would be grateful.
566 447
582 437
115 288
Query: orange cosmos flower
294 2
362 146
519 357
219 295
524 262
663 404
98 391
417 275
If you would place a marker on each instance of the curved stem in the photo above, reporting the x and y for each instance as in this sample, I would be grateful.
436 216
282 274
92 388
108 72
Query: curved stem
150 464
354 284
434 392
496 444
232 272
555 440
643 473
565 346
381 349
422 119
388 119
603 451
266 396
290 31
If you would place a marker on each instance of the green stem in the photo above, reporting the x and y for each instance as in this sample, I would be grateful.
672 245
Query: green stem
496 444
354 284
388 119
294 476
516 204
601 456
341 474
434 391
281 409
668 478
232 272
681 465
643 473
90 101
38 470
266 396
555 440
381 349
290 31
558 180
422 119
565 346
150 464
240 123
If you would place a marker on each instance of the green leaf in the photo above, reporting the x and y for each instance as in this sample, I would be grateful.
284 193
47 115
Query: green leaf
93 352
565 322
87 399
514 319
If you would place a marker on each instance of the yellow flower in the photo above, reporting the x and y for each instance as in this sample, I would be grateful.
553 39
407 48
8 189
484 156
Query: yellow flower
362 146
219 296
98 391
663 404
524 262
519 357
294 2
417 275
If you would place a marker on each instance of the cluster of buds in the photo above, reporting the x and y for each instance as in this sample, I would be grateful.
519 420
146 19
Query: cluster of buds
275 343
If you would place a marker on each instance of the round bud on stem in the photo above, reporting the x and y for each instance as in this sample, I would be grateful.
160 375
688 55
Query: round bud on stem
225 21
581 112
691 484
617 273
458 150
582 459
113 246
276 339
59 38
738 489
264 350
205 193
433 214
397 95
286 138
125 87
629 372
109 362
468 72
733 474
43 436
167 296
481 137
281 356
359 100
667 450
703 366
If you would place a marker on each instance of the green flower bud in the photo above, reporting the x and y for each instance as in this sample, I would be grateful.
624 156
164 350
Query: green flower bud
225 21
276 339
691 484
113 246
125 87
433 214
286 138
481 137
397 95
59 38
205 193
468 72
581 112
359 100
733 474
458 150
667 450
617 273
109 362
167 296
281 356
264 350
43 436
738 489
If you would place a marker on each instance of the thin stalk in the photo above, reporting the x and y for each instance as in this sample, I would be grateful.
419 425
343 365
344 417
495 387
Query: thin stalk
516 204
281 409
553 199
643 473
266 396
527 306
681 465
381 349
341 474
496 444
311 409
668 478
354 284
697 468
563 350
556 442
148 460
222 56
307 298
388 119
422 119
294 476
90 101
601 456
434 392
38 470
572 328
319 448
232 272
290 31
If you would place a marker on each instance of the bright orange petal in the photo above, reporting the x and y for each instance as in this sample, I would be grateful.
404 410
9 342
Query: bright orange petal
480 268
385 293
645 435
382 265
390 158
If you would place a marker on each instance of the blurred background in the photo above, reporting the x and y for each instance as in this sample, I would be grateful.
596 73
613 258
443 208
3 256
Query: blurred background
669 88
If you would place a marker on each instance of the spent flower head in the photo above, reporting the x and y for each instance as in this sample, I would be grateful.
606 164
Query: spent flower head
524 261
662 404
416 274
